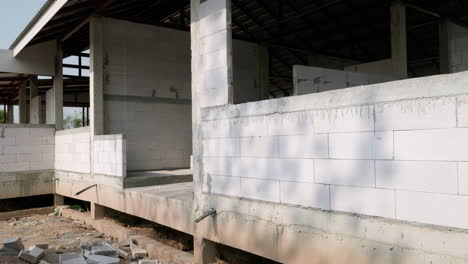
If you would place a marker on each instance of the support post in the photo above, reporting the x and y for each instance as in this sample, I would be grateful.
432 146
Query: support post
96 76
211 85
59 200
206 252
22 103
97 211
55 95
10 114
34 102
398 38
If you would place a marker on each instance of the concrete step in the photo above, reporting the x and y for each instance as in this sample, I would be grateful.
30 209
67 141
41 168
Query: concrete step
158 177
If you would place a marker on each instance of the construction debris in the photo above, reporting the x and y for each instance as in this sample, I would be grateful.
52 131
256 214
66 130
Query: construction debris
71 258
32 255
13 243
98 259
55 244
97 253
138 252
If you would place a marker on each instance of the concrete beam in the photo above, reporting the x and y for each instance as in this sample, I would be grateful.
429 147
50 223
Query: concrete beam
41 19
398 38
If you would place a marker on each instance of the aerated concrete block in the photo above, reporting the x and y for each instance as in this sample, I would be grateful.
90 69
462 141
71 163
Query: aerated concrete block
149 261
103 251
138 252
32 255
97 259
13 243
122 253
71 259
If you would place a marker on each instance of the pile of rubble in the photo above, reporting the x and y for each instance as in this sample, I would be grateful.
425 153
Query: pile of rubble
98 253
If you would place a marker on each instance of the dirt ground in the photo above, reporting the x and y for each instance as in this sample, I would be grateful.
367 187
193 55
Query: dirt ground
62 234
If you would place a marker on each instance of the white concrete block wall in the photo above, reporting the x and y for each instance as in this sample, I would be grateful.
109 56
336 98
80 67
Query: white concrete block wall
148 88
110 155
400 156
379 68
26 147
72 150
309 79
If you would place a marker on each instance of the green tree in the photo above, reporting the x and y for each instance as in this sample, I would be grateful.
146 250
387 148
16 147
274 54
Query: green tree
2 116
72 121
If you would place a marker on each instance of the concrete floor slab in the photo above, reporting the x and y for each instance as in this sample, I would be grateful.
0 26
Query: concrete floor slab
156 177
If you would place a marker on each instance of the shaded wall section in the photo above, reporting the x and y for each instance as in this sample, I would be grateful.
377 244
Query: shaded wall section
147 94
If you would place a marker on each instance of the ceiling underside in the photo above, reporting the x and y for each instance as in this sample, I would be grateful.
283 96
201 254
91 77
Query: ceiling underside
356 30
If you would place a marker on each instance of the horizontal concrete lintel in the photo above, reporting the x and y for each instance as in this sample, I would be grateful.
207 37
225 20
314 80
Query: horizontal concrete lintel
144 99
110 137
78 130
416 88
25 126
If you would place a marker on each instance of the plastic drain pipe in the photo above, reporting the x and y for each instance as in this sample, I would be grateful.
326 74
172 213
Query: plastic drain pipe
85 189
212 211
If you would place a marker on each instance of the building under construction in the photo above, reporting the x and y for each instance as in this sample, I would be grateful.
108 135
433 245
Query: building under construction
331 131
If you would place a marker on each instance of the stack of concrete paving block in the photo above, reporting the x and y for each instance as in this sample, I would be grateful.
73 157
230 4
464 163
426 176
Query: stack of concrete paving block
138 252
71 258
12 246
99 259
32 255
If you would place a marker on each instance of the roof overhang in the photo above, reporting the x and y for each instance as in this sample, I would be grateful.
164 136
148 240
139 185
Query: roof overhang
47 12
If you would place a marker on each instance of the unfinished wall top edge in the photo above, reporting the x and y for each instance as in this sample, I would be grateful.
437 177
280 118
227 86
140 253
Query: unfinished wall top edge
72 131
416 88
25 126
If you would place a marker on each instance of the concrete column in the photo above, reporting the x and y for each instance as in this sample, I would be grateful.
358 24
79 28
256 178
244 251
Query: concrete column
205 251
444 46
22 103
96 76
10 114
264 64
215 53
54 99
59 200
34 102
211 41
97 211
398 38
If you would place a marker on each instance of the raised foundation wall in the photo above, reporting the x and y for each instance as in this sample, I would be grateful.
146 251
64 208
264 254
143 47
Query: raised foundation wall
397 150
